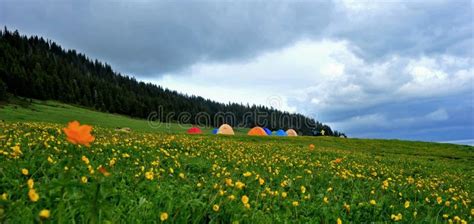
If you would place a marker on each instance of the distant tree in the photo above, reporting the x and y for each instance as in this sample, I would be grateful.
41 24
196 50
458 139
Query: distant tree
3 90
36 68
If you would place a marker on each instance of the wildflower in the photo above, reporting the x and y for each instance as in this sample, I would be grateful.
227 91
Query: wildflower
24 172
247 206
385 184
284 194
326 200
231 197
79 134
339 221
149 175
84 179
30 183
163 216
439 200
245 199
4 196
329 189
338 160
16 151
311 147
85 159
239 185
103 171
199 185
373 202
215 208
303 189
181 175
295 203
261 181
472 211
407 204
347 207
50 160
112 162
445 216
228 182
247 174
447 203
34 197
397 217
44 214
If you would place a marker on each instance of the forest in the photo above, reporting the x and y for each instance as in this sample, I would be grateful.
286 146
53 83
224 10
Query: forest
35 68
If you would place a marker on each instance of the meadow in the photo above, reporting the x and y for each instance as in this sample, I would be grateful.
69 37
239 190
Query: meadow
163 175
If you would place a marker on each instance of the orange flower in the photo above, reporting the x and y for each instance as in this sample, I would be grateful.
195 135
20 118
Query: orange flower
104 171
79 134
338 160
311 146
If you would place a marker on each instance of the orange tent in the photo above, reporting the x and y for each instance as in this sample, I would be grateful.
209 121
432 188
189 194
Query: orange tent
194 130
225 129
257 131
291 132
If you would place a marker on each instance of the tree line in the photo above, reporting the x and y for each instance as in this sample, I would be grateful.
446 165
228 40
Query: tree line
36 68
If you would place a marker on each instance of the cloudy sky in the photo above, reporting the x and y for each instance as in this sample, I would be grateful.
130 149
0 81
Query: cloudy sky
372 69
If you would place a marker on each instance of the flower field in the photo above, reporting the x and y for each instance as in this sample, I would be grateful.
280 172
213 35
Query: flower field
49 174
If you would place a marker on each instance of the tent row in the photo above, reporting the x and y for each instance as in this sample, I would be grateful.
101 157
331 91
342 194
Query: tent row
226 129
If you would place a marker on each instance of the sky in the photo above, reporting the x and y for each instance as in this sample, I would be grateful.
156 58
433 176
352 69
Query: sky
371 69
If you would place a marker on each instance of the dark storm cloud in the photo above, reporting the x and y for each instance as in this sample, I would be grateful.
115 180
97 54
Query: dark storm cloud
157 37
152 38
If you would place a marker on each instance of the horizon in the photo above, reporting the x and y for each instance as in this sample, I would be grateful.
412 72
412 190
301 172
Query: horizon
353 75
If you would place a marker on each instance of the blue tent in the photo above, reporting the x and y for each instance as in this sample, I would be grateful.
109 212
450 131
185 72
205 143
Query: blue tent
280 133
214 131
267 131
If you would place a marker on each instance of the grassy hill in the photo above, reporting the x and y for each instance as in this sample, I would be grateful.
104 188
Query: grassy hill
55 112
164 174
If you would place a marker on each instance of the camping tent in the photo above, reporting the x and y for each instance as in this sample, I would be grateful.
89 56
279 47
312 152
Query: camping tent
214 131
291 132
225 129
267 131
194 130
280 133
257 131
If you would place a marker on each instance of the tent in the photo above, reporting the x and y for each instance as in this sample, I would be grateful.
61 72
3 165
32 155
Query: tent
291 132
225 129
214 131
280 133
267 131
257 131
194 130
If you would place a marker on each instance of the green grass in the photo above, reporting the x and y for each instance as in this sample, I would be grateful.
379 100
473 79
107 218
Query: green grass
55 112
418 182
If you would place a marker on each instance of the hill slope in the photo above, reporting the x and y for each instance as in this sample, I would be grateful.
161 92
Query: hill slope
35 68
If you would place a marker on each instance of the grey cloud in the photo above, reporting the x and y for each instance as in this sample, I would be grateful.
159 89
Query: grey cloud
159 37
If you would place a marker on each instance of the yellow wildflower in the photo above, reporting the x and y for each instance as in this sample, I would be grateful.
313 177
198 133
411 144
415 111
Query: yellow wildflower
34 197
44 214
163 216
231 197
239 185
261 181
303 189
439 200
247 174
215 208
245 199
84 179
326 200
397 217
407 204
339 221
149 175
30 183
373 202
181 175
24 171
295 203
284 194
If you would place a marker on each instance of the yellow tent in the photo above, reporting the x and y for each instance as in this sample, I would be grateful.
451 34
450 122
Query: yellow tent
225 129
291 132
257 131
